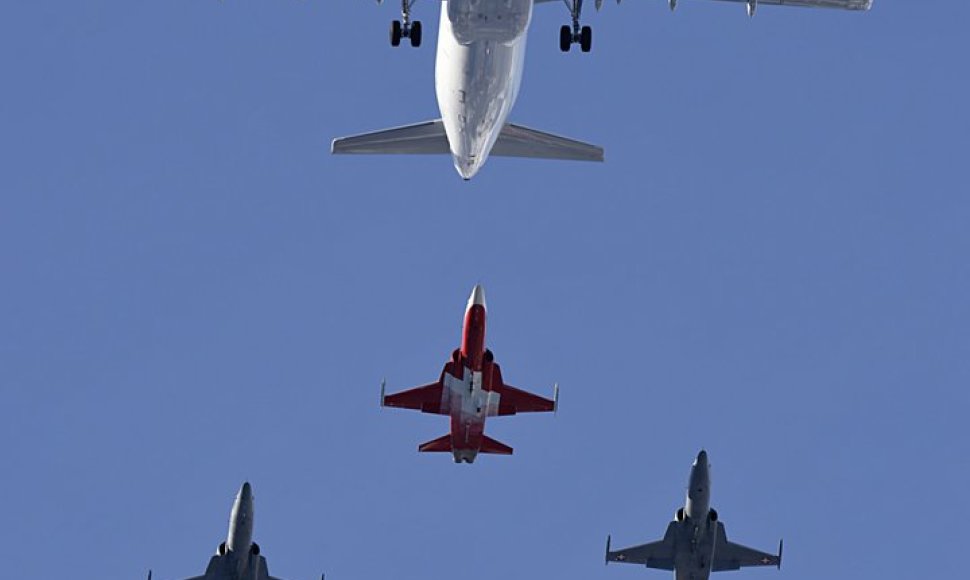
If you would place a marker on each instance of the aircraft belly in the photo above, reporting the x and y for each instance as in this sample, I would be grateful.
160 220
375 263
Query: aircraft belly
476 84
488 20
470 405
694 554
691 574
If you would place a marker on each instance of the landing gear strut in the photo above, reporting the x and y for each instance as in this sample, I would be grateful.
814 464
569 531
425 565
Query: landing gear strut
570 35
404 28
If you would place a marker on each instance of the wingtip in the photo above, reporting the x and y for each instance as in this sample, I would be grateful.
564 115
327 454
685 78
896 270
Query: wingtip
606 557
781 549
383 386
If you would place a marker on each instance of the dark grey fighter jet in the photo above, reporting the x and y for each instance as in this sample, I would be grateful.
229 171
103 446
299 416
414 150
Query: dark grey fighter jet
695 543
238 557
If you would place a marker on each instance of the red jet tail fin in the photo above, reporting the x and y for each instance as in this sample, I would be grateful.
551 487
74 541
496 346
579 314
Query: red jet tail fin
490 445
441 444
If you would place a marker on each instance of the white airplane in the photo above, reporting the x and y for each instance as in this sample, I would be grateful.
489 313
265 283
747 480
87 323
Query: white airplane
478 71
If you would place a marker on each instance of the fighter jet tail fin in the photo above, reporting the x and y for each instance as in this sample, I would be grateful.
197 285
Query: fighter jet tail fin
490 445
519 141
440 445
426 138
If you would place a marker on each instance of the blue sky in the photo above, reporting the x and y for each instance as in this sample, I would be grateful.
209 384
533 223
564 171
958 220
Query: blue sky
771 264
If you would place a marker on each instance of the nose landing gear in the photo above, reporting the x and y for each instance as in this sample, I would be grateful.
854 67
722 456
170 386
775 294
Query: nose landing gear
404 28
575 34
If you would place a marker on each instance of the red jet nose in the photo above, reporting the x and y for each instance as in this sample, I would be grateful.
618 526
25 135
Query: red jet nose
477 297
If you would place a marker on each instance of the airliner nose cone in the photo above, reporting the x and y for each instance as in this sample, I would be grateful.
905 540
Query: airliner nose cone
467 168
477 297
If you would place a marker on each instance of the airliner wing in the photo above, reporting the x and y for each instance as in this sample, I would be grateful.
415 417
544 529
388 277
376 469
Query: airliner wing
515 400
658 555
843 4
519 141
731 556
426 138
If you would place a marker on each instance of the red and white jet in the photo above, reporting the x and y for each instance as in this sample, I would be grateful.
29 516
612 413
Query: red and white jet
469 390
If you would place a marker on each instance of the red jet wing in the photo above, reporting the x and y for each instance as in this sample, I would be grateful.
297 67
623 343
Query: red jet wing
515 400
427 398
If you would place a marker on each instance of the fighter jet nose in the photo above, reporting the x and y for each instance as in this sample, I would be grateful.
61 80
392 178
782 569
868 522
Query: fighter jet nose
246 490
477 297
701 458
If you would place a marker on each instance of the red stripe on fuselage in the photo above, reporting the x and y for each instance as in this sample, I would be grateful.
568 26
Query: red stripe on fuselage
473 337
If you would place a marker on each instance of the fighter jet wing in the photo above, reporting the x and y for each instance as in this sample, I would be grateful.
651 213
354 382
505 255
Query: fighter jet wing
427 398
216 570
731 556
843 4
658 555
515 400
264 570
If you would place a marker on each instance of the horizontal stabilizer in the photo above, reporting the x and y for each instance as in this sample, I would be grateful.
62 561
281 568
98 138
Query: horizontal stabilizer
519 141
426 138
429 138
490 445
441 444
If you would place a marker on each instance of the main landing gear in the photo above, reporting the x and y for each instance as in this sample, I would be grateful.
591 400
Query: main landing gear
404 28
569 35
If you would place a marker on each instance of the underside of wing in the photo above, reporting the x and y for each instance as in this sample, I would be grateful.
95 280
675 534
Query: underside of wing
216 570
842 4
263 570
519 141
426 399
731 556
513 400
658 555
426 138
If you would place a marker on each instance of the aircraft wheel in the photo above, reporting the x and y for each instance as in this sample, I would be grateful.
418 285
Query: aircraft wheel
565 38
416 34
586 39
396 33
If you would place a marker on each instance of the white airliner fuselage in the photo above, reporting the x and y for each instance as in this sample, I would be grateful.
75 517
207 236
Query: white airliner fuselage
478 71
